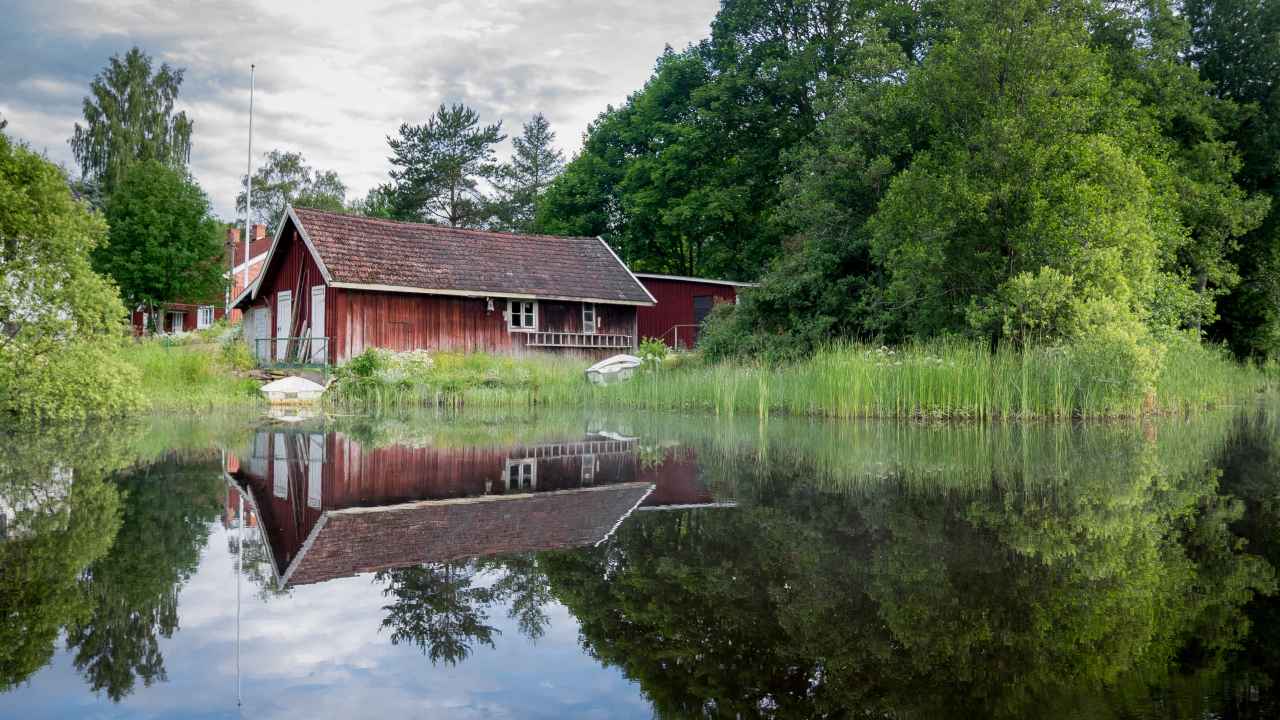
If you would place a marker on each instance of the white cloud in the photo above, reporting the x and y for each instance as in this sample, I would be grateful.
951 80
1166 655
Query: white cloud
335 77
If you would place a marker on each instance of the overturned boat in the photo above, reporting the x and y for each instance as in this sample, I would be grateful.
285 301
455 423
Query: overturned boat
614 369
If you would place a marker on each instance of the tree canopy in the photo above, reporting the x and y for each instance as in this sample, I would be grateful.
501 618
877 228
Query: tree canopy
535 162
441 166
59 321
285 178
130 117
163 246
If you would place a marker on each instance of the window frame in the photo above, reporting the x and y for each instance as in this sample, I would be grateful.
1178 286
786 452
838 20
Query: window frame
595 319
512 303
201 322
526 475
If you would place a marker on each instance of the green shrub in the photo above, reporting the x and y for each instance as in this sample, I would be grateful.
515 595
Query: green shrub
652 352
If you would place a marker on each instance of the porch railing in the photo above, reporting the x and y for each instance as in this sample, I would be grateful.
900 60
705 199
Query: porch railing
681 337
578 340
286 352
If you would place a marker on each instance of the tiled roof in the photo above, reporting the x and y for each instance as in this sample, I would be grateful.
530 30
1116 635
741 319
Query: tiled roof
369 251
358 540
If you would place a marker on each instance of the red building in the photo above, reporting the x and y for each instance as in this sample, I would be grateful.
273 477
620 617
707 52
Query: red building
682 304
333 285
182 317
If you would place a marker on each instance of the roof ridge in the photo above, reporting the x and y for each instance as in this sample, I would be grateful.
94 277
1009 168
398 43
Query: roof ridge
449 228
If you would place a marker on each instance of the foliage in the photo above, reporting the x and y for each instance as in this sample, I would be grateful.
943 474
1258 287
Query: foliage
379 202
59 321
440 165
651 352
163 245
535 162
65 517
1076 566
284 179
134 589
129 117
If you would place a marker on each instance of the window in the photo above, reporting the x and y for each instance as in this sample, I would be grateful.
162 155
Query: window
521 475
204 317
588 469
522 315
588 318
176 322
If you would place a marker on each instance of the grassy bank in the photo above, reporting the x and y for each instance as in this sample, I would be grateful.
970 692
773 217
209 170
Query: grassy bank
193 373
955 380
943 380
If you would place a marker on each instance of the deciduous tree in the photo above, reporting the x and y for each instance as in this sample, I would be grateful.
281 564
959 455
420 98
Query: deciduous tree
129 117
164 245
285 178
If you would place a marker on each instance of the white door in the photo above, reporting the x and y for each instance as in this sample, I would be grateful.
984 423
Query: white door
284 317
318 349
261 322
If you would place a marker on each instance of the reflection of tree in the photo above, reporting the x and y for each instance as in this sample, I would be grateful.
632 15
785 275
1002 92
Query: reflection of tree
443 608
134 589
438 608
255 563
62 517
1022 598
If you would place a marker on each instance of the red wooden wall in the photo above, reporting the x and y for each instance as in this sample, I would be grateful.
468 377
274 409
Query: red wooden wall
675 307
189 318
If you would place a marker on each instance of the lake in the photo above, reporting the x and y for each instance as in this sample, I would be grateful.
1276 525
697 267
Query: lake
602 565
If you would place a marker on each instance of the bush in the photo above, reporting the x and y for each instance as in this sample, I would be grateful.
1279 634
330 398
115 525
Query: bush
652 352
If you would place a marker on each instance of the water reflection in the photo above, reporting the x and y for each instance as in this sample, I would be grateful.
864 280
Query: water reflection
651 565
330 504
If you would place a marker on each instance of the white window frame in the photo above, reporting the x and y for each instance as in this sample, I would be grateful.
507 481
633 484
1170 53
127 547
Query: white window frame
527 309
588 469
526 475
204 317
595 319
181 321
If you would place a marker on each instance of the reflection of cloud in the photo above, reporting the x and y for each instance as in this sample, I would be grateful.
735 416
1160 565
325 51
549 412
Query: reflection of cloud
334 81
320 653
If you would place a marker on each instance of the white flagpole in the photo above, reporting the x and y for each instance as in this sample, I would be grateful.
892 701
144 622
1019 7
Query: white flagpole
248 188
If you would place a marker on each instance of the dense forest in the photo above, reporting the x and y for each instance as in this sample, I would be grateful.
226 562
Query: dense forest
896 169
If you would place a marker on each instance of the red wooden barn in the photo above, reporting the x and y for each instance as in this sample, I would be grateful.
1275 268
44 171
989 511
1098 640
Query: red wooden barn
682 304
333 285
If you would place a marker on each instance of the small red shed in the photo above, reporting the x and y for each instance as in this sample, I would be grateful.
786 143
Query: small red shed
334 284
682 304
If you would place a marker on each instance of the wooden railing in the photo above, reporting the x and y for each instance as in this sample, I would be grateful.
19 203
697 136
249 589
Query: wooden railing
577 340
286 352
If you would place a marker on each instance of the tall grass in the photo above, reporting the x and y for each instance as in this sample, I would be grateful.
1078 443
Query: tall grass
378 381
945 380
192 376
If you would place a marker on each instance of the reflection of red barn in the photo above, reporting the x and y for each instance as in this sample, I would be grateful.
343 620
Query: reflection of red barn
330 506
683 303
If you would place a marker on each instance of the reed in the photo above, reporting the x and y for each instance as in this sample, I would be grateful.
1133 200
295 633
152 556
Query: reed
948 380
184 377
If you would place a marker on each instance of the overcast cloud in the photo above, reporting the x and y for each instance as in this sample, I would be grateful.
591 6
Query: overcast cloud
336 77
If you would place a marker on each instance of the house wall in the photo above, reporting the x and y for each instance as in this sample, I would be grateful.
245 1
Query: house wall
675 307
403 321
292 268
189 319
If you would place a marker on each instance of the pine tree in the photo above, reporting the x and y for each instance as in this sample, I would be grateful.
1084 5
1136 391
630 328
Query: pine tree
441 164
535 162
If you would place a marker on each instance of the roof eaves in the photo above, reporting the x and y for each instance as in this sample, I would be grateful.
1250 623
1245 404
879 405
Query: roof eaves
652 300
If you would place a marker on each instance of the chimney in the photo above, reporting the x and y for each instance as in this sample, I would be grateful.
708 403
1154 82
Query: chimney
259 232
233 236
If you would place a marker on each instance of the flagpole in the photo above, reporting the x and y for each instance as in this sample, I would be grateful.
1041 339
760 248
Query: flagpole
248 186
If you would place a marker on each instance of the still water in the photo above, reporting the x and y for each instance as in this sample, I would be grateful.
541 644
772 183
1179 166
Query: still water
542 565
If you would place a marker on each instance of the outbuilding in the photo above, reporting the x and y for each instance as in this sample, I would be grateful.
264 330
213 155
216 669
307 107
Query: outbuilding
682 303
333 285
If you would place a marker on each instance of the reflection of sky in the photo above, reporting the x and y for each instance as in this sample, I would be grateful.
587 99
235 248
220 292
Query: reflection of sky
319 652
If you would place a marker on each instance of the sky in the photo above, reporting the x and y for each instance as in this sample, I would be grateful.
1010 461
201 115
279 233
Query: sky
334 78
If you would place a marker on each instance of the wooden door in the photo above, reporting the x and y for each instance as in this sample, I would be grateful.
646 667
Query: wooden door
261 322
318 348
284 314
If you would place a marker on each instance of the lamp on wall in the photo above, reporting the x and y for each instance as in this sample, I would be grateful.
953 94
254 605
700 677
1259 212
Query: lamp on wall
489 308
